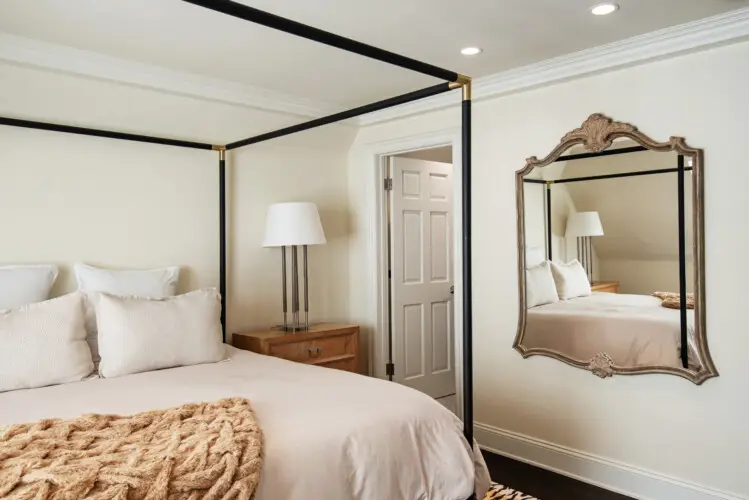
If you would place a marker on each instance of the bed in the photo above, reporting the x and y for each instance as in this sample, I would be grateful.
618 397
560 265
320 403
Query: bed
328 434
633 330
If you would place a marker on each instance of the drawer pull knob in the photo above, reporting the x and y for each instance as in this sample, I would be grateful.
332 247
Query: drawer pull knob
314 351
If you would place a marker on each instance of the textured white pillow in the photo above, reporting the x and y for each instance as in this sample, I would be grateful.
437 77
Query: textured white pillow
539 286
21 285
571 280
44 344
138 335
151 283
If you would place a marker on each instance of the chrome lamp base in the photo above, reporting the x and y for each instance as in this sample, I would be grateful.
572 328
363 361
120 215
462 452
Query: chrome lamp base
296 325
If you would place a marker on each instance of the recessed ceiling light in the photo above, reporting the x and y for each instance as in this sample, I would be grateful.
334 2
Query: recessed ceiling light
471 51
604 9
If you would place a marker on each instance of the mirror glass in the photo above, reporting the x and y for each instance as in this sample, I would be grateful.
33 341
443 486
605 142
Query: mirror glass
609 274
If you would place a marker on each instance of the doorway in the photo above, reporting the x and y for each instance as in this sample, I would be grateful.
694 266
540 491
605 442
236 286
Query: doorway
420 279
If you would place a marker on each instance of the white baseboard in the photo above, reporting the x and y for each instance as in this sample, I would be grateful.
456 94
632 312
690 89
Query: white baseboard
618 477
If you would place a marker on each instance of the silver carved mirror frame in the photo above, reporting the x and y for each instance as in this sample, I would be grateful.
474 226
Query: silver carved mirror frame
597 134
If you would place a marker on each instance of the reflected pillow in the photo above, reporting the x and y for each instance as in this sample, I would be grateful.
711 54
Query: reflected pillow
539 286
571 280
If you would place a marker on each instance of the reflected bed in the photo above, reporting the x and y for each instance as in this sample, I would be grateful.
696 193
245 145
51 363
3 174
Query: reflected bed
633 330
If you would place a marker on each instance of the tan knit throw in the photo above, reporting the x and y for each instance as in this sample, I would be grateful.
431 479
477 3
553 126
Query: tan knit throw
673 300
194 451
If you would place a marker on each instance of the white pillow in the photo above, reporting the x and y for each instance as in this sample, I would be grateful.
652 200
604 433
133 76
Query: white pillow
44 344
22 285
138 335
571 280
539 286
152 283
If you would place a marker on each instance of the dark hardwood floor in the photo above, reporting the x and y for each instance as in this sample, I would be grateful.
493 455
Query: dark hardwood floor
541 483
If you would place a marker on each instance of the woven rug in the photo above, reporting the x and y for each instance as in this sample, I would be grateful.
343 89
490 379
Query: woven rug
501 492
208 450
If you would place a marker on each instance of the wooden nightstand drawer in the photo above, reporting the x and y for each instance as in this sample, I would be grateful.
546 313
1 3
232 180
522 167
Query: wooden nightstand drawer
328 345
315 350
605 286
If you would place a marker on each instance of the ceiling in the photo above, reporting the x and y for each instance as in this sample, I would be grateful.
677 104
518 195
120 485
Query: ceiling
181 36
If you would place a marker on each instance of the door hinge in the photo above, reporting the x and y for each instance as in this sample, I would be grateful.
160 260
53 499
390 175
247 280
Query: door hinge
390 369
388 184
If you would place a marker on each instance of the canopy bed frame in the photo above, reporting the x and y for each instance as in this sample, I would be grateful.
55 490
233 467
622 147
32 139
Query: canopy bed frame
451 81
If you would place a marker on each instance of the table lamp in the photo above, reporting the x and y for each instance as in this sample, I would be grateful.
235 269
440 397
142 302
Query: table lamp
583 225
294 225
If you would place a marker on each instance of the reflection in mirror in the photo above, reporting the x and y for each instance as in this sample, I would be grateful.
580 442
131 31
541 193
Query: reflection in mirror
609 257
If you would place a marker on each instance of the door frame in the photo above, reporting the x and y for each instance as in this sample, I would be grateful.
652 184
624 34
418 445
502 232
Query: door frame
378 153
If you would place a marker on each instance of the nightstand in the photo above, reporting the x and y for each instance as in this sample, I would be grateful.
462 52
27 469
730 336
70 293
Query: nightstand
605 286
326 344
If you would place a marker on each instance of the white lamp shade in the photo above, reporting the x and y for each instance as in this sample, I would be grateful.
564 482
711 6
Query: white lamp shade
293 224
584 224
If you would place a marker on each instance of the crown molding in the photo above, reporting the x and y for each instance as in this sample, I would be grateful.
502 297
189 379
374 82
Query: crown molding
49 56
725 28
697 35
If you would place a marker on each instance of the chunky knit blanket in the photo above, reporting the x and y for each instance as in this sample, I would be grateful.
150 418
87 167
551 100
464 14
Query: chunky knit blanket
194 451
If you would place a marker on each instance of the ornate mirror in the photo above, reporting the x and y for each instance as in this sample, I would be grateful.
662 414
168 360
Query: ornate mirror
611 254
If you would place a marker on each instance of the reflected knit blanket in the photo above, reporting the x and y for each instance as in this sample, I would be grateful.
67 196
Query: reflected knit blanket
194 451
673 300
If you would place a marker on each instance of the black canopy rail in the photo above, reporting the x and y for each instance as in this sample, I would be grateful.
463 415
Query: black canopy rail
679 170
345 115
608 152
452 80
273 21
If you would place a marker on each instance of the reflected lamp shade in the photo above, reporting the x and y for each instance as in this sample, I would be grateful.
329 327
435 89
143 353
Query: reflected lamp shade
581 224
289 224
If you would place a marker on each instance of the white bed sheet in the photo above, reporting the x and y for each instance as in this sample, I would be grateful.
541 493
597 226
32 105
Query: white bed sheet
328 434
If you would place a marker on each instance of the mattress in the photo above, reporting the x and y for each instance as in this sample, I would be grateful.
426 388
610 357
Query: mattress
634 330
329 434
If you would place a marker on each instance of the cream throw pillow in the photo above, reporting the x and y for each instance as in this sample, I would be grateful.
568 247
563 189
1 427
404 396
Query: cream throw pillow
138 335
571 280
44 344
148 283
539 286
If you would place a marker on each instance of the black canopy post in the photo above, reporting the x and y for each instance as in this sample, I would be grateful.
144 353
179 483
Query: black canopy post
465 82
548 220
682 264
222 232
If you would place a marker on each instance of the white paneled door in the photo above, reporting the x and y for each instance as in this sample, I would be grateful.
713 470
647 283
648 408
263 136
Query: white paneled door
421 280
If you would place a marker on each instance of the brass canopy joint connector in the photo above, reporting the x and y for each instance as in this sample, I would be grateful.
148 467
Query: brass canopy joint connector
463 82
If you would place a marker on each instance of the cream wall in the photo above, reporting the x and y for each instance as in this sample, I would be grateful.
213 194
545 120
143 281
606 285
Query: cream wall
67 198
645 276
562 205
640 245
658 426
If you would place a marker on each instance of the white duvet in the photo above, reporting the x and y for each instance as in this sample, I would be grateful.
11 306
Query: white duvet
328 434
